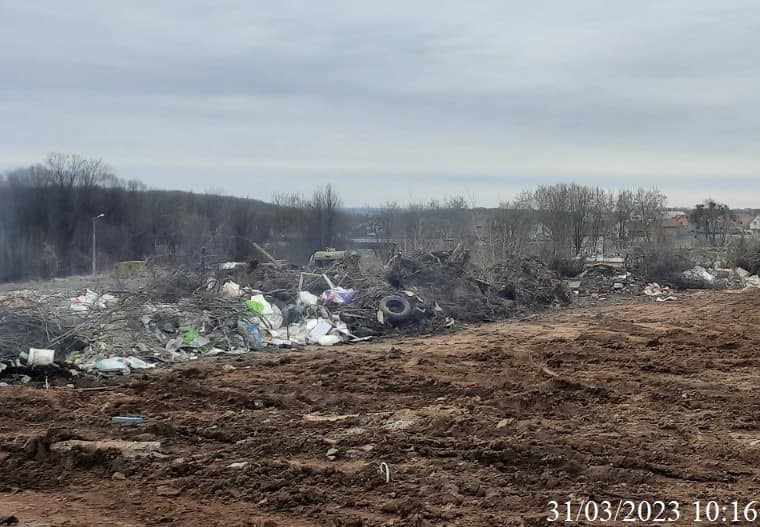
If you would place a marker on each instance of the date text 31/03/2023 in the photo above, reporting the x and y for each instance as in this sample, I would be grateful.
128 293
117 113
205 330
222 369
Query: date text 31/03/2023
653 511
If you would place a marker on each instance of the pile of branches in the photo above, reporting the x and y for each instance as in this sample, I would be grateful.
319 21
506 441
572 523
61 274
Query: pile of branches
165 286
53 325
529 283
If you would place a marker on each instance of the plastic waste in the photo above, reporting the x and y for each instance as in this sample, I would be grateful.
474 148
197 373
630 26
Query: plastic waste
254 337
126 420
91 300
174 344
337 296
40 357
257 304
83 302
112 365
666 298
655 289
269 312
231 290
107 300
138 364
698 273
318 328
307 299
188 334
199 342
329 340
226 266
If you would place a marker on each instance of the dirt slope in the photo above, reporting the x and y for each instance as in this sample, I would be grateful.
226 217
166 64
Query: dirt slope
481 427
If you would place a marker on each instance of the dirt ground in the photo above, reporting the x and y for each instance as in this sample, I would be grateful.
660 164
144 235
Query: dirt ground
628 400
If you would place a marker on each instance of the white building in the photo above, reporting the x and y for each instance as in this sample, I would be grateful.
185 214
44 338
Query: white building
754 226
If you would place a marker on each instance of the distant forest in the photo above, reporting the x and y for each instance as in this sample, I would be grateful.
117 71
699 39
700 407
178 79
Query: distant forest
48 210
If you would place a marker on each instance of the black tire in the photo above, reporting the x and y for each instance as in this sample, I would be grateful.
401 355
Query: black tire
396 308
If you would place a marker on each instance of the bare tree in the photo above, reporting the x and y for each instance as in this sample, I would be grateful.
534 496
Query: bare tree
553 205
602 204
624 208
579 201
389 221
650 204
456 202
414 232
512 223
713 219
324 205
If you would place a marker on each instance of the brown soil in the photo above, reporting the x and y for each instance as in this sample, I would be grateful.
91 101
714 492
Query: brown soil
633 400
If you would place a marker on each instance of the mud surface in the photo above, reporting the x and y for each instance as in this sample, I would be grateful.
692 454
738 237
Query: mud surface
631 400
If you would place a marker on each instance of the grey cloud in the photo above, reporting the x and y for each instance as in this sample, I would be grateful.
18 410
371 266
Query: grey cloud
333 80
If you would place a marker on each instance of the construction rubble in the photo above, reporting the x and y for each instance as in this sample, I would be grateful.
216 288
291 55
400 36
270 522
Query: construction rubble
600 280
699 277
603 279
242 308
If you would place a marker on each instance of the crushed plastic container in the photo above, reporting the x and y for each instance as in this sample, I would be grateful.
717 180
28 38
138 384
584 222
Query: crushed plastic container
40 357
126 420
138 364
112 365
254 337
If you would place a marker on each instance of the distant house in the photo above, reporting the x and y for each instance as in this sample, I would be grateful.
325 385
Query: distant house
680 218
672 213
677 227
742 222
754 226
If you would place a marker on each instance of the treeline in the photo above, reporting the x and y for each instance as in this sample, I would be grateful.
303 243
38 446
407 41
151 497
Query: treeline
47 215
568 219
48 211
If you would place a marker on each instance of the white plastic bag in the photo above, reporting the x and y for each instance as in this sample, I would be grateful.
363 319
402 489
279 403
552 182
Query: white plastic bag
230 290
269 312
307 299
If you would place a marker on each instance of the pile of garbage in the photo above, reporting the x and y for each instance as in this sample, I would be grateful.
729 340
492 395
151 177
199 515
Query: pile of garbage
604 279
601 280
418 292
699 277
180 317
659 292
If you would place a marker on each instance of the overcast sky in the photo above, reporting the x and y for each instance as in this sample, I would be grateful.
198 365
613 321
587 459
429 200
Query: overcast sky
403 100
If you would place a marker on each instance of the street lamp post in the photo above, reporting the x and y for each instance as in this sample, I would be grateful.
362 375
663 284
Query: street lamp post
96 218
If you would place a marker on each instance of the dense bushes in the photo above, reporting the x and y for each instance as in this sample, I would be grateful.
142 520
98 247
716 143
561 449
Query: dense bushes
745 254
662 264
